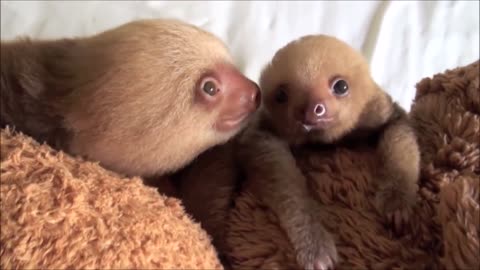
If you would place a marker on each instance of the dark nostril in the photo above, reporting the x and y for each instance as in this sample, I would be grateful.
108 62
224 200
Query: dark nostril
319 109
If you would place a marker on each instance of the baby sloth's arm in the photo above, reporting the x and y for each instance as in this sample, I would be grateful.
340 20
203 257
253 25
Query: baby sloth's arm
398 150
275 178
399 155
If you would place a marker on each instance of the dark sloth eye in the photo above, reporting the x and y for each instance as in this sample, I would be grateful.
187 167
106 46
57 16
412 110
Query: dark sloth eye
340 87
281 95
210 88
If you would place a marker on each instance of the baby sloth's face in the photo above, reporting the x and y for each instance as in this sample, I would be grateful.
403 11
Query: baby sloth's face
315 89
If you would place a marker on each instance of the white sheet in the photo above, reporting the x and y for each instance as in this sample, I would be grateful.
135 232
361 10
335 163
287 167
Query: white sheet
403 40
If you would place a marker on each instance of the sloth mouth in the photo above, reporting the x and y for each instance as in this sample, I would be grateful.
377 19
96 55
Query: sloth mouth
319 125
230 123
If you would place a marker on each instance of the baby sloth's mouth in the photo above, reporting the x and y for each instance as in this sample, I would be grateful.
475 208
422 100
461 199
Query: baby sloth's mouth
320 124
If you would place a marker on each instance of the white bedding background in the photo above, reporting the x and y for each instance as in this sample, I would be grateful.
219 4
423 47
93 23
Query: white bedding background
403 40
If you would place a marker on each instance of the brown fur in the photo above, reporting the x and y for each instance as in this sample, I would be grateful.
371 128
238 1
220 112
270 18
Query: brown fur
128 97
206 187
305 69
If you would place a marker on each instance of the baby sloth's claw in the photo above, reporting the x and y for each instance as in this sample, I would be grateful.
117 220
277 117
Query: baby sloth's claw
326 264
318 251
324 261
396 206
398 219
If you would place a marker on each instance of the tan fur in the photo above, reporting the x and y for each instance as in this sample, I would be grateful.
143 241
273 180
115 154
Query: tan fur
128 94
175 43
306 67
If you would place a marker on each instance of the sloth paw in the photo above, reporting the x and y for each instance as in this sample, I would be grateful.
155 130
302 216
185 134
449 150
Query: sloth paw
316 248
396 206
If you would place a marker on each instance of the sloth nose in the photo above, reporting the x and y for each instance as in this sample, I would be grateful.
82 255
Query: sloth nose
256 96
319 110
251 96
315 112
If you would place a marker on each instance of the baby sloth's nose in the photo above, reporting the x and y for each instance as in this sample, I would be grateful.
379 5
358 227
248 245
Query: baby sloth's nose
319 110
258 96
315 112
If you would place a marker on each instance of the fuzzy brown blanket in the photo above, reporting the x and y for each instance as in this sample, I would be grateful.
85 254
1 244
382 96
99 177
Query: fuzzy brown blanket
443 232
61 212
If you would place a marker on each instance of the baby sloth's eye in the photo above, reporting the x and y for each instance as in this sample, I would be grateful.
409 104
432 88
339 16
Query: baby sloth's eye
281 95
210 88
340 87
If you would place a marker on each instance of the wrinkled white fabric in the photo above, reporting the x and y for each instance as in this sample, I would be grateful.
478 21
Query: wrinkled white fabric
403 40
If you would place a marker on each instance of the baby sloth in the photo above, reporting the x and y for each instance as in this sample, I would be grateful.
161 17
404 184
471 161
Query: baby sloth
143 98
318 90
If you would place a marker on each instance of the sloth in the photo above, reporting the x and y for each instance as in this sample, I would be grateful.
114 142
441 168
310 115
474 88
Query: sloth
317 90
142 99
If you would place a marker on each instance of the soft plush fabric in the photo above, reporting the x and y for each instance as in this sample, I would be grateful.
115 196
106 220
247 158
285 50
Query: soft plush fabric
58 212
61 212
443 232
